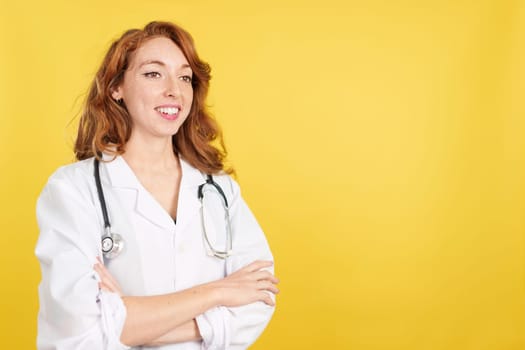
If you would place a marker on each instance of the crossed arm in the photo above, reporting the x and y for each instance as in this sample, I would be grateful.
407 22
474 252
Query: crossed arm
170 318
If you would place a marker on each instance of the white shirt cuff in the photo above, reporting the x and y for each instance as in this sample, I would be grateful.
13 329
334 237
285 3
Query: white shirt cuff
113 314
213 329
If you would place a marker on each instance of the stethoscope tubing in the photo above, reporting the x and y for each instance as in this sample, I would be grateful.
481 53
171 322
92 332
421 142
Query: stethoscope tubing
112 243
107 224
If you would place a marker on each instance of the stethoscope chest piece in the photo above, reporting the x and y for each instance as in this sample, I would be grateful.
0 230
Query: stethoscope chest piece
112 245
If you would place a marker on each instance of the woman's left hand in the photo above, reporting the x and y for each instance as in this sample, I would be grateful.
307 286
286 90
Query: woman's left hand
107 282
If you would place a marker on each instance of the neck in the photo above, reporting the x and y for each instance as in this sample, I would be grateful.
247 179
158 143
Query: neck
151 155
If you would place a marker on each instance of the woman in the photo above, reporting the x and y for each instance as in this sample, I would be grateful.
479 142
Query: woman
167 276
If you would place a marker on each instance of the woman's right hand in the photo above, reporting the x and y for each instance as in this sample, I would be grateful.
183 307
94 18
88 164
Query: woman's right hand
247 285
107 281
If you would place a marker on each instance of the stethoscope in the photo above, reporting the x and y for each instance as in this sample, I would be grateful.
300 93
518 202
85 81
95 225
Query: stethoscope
113 243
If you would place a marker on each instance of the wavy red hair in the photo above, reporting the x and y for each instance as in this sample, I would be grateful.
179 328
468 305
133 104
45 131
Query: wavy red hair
105 125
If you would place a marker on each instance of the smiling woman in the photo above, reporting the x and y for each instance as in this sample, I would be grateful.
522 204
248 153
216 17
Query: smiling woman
146 163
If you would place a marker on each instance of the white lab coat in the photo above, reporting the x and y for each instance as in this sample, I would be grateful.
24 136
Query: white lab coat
159 257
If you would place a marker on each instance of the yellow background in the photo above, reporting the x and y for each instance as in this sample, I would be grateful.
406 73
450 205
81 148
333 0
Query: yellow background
380 144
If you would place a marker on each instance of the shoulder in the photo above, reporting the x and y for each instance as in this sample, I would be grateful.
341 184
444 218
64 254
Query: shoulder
76 177
73 172
227 182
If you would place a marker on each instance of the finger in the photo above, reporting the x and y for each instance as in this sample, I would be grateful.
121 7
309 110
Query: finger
107 279
104 286
265 275
257 265
267 299
107 286
106 274
103 274
268 286
113 287
98 270
112 279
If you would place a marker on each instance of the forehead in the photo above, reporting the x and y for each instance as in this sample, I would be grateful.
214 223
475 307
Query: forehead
158 49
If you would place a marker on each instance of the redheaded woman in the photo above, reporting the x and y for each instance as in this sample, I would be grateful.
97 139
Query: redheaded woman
146 240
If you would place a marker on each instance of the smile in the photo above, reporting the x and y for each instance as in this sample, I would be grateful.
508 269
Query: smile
168 110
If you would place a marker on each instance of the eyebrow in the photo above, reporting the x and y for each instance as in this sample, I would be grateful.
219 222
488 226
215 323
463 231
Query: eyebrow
160 63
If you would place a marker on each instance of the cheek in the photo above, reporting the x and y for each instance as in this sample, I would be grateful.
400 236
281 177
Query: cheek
137 109
140 99
189 94
188 99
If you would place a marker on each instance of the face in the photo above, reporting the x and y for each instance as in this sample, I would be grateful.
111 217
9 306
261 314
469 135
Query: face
157 89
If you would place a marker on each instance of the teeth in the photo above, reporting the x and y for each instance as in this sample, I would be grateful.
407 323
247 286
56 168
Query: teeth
168 110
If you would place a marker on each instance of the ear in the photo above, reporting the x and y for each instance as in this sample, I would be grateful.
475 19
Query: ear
116 94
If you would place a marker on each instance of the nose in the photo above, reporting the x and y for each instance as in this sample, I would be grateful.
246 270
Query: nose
172 88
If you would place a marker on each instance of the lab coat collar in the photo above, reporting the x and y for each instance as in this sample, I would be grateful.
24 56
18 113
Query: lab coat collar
121 176
191 177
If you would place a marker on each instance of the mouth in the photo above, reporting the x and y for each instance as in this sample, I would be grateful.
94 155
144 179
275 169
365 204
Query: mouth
169 113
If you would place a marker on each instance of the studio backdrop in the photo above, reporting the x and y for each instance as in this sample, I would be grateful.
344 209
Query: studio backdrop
381 145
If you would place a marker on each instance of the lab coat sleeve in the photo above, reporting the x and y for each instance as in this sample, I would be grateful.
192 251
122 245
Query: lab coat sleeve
238 327
73 313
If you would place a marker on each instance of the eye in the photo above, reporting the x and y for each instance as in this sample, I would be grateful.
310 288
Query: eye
152 75
186 78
